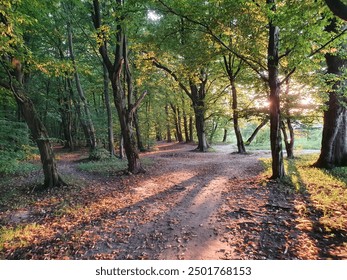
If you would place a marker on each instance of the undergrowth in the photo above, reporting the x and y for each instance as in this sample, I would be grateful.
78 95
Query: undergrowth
108 166
326 189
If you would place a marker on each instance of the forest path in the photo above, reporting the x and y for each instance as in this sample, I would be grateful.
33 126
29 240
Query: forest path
178 203
188 205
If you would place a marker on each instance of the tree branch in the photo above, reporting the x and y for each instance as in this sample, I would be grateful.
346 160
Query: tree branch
248 61
137 103
96 16
288 75
173 75
327 43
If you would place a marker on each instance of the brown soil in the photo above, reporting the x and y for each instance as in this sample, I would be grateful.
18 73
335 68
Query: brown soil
187 205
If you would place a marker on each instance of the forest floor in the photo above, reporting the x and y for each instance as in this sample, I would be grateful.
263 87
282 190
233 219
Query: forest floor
188 205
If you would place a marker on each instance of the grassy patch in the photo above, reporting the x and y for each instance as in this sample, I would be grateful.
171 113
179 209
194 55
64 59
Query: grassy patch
108 166
19 236
326 189
16 167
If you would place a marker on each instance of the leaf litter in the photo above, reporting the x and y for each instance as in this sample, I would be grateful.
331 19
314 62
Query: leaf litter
187 206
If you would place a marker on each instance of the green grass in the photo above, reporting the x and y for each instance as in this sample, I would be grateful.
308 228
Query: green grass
17 236
16 167
326 188
108 166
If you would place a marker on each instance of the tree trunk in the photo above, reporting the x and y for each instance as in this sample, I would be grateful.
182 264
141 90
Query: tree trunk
123 98
40 136
185 125
200 126
225 135
214 129
88 123
338 8
274 98
139 141
240 145
288 140
232 74
334 138
168 128
255 132
66 117
191 129
198 94
177 120
109 113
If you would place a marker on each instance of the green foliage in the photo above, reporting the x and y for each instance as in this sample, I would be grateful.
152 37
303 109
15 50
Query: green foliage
15 147
99 154
104 167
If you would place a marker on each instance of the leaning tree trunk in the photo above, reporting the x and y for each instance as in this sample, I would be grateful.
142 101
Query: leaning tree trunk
255 132
274 98
40 136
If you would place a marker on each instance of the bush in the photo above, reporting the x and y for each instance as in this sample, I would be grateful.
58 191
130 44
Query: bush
99 154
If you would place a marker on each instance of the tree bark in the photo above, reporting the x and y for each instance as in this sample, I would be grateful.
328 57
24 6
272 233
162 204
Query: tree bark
168 128
185 124
191 129
274 98
88 123
139 141
232 74
288 140
177 120
334 138
109 113
66 117
198 96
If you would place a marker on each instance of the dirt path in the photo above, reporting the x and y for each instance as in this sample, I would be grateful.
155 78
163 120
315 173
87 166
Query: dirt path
188 205
183 195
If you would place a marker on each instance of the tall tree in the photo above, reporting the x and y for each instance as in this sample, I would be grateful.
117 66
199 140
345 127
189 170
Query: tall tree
232 72
86 116
123 97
